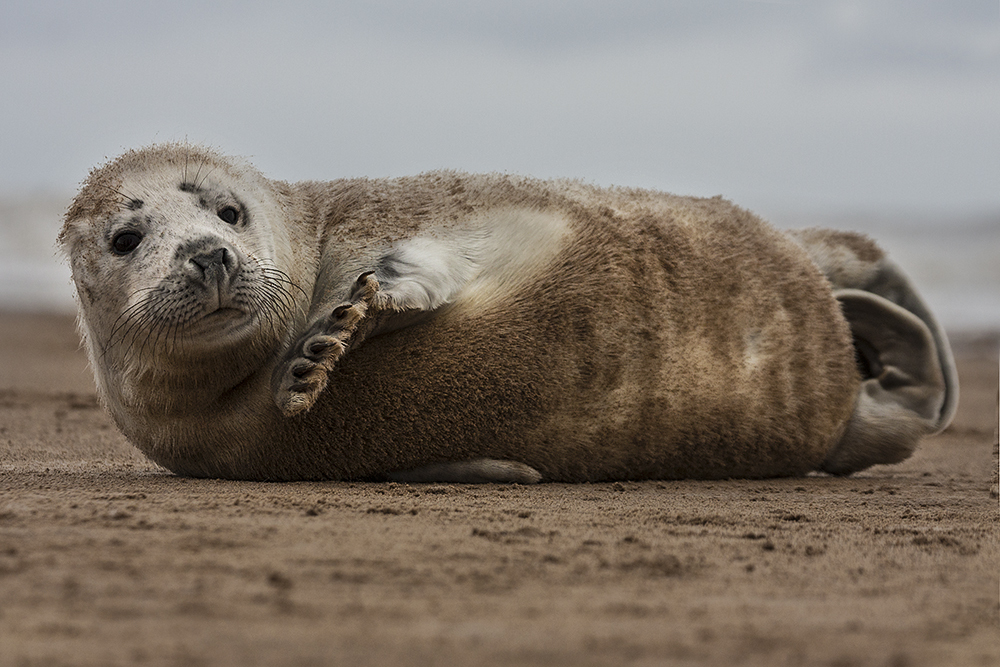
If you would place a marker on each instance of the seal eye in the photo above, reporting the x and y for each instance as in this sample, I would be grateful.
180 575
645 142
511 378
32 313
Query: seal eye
126 242
229 215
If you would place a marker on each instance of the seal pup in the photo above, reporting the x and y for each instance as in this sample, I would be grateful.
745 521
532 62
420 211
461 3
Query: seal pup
486 328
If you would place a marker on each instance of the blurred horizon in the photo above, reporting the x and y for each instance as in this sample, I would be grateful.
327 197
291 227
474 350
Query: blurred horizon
875 115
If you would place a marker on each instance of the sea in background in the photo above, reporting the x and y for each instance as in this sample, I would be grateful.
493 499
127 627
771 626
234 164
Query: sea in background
954 260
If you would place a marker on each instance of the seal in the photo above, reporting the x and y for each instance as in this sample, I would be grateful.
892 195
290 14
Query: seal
487 328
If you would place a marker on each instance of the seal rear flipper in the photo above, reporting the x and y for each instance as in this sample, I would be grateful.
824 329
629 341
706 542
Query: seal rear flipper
891 283
477 471
852 261
904 393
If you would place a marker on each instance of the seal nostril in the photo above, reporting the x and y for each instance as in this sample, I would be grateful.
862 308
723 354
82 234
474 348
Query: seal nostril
218 259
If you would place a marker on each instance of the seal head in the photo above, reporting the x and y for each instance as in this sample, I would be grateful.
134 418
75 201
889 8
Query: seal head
180 270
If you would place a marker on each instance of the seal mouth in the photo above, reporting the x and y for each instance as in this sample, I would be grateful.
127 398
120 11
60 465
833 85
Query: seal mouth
220 321
228 318
217 329
225 311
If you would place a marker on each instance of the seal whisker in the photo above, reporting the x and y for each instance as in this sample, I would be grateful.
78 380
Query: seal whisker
200 184
130 319
116 324
272 301
263 309
272 271
146 333
124 200
274 290
194 181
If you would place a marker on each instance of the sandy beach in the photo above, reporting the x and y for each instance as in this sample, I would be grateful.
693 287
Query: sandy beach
106 559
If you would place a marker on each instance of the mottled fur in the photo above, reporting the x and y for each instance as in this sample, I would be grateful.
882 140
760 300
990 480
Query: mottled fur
587 333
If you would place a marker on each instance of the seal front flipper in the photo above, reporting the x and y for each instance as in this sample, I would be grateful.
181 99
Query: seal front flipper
302 377
415 279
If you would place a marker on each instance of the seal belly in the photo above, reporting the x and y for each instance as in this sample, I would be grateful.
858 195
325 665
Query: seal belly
631 355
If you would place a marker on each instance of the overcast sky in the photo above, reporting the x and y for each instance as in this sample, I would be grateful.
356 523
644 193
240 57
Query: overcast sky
818 104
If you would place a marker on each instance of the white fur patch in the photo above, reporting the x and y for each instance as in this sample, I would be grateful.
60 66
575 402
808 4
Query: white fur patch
474 266
520 244
424 273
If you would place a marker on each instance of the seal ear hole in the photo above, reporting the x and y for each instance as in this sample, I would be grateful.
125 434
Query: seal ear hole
229 214
125 242
866 358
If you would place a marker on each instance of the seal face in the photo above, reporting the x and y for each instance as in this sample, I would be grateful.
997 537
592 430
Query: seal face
455 327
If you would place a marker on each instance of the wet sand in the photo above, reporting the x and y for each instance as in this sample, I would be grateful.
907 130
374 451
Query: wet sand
106 559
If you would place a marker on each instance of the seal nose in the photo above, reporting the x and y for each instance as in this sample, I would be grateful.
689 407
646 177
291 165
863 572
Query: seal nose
219 261
208 261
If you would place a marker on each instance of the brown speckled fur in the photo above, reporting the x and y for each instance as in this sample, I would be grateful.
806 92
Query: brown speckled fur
627 355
